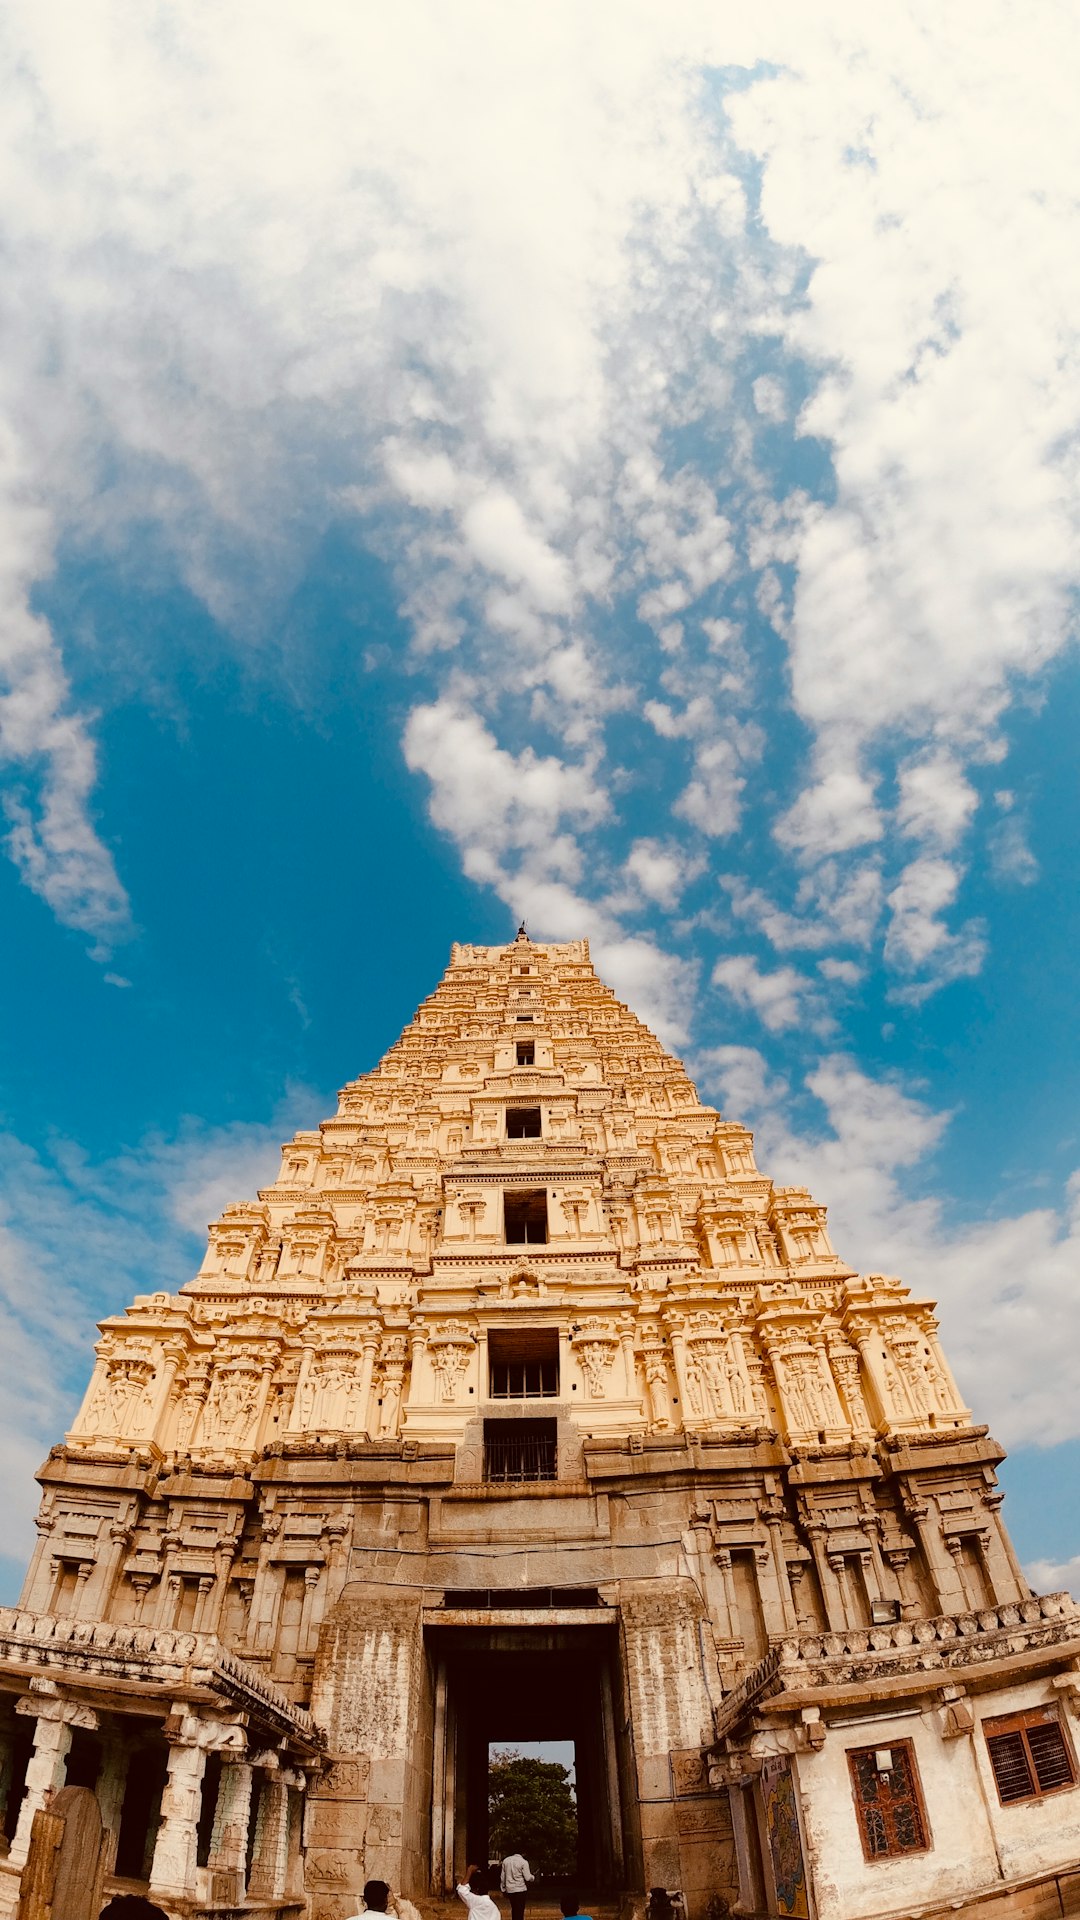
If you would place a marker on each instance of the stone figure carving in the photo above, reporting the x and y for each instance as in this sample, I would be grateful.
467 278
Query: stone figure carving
232 1404
392 1371
596 1357
915 1381
656 1377
845 1364
449 1361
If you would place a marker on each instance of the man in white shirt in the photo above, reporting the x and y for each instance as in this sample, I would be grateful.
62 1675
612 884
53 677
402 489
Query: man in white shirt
515 1880
474 1891
379 1901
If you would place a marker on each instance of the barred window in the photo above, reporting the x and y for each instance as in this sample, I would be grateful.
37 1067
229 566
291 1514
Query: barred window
888 1801
520 1450
1029 1754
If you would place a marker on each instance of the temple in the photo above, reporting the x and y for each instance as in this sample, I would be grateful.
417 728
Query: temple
523 1407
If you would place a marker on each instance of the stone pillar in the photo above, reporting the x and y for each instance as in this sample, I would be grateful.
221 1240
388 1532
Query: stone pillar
56 1720
312 1576
203 1605
370 1692
939 1564
1006 1574
832 1597
228 1841
168 1600
294 1783
110 1792
171 1359
773 1516
678 1355
670 1708
270 1860
367 1369
626 1342
172 1871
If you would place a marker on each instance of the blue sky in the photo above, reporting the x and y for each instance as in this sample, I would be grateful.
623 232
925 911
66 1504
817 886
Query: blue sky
615 470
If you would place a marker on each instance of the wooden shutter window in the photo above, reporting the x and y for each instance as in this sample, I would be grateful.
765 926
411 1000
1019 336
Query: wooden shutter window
1029 1754
888 1804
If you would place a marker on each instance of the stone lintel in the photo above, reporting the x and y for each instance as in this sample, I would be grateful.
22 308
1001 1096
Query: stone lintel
966 1446
845 1463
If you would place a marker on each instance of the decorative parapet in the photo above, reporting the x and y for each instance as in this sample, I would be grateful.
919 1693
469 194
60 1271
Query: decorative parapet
89 1651
917 1649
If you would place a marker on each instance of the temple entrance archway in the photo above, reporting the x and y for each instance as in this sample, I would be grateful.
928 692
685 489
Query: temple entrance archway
496 1685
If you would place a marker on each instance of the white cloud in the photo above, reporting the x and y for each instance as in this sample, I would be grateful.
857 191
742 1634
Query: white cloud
502 540
500 286
918 939
780 999
494 803
711 801
834 815
936 802
769 397
1054 1576
661 870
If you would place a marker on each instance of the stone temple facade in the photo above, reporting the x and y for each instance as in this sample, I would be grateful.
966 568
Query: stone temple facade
524 1407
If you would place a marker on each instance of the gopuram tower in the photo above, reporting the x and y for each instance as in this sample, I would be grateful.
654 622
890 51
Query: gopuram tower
523 1407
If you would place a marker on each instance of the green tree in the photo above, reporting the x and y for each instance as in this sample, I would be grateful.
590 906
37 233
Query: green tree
531 1810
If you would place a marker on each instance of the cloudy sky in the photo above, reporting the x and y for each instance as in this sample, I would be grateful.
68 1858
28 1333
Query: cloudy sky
616 464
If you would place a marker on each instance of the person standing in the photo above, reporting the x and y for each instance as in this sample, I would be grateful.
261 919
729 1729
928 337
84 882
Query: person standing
474 1891
515 1879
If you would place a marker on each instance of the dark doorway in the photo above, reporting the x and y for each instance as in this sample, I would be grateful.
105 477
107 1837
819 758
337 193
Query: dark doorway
526 1217
498 1686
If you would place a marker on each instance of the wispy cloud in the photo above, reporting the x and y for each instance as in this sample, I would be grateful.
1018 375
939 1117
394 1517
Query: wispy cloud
529 318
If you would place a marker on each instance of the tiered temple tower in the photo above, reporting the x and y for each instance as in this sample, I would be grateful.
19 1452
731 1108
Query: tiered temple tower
523 1406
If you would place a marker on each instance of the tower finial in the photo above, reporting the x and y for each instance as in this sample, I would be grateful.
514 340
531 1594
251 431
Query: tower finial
521 933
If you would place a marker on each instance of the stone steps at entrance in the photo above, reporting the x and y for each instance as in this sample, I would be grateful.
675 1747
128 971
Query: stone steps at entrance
603 1907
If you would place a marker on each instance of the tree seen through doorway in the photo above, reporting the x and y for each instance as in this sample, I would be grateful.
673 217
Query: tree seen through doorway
532 1810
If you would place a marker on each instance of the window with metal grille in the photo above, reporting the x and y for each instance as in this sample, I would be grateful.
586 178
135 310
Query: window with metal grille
525 1218
1029 1754
524 1363
523 1123
888 1802
526 1053
519 1450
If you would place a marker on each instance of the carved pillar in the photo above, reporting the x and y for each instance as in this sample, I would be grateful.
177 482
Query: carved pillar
269 1863
626 1344
678 1355
171 1360
722 1562
940 1565
831 1592
172 1871
110 1790
168 1600
367 1367
228 1841
773 1516
312 1576
1006 1574
55 1720
203 1605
